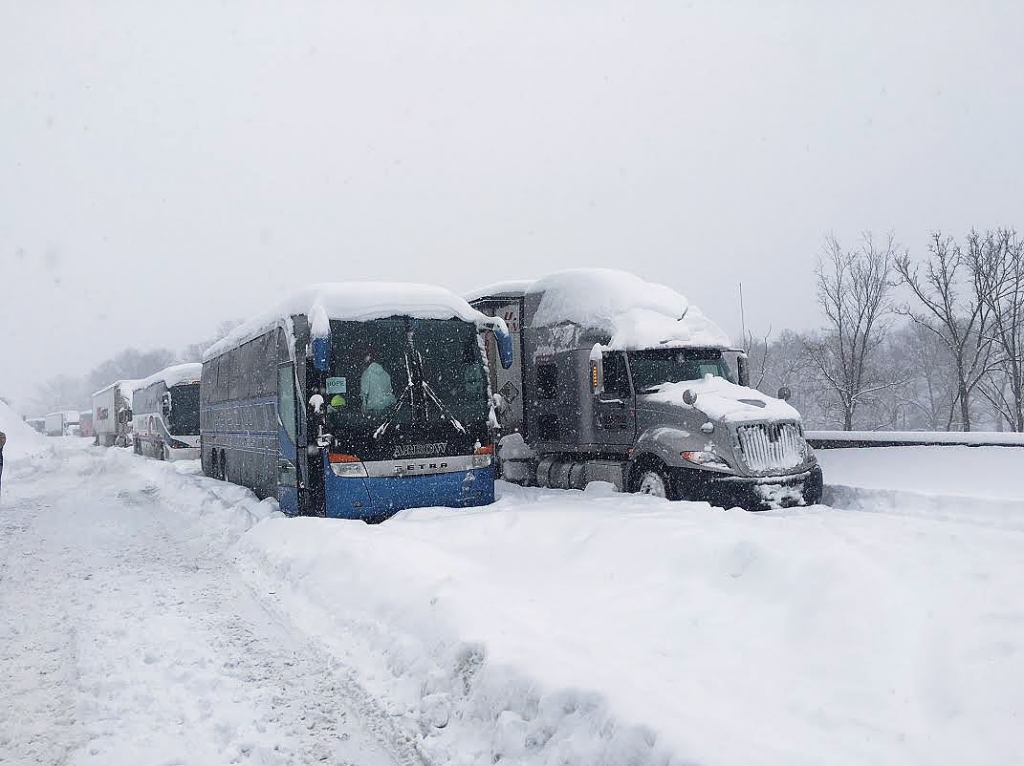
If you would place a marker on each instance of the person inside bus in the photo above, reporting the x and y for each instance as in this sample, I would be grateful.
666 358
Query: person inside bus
375 390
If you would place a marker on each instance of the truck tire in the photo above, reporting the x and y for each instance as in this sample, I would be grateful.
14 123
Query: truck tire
654 479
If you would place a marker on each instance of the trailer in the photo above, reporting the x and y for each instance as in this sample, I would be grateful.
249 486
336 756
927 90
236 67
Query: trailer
63 423
112 414
620 380
85 424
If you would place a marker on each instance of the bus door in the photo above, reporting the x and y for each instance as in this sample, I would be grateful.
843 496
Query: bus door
287 457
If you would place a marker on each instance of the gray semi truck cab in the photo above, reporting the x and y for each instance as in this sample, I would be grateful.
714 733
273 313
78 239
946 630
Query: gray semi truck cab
620 380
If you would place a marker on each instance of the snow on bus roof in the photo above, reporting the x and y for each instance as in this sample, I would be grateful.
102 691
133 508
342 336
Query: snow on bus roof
354 301
173 376
635 313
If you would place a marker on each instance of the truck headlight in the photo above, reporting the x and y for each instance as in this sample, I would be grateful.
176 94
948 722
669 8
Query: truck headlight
705 459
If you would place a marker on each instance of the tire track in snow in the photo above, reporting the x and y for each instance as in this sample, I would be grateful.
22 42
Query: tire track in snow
150 646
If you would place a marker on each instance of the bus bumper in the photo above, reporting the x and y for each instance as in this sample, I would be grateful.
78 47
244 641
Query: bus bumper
375 499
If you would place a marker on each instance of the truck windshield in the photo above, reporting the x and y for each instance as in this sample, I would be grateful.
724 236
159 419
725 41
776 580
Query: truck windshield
652 368
402 371
184 417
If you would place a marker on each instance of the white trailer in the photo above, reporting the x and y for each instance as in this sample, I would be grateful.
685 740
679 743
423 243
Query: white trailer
62 423
112 414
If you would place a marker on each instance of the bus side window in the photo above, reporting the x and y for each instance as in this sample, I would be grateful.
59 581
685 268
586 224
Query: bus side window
286 398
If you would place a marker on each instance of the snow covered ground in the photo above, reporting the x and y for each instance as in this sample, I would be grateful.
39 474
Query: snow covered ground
149 615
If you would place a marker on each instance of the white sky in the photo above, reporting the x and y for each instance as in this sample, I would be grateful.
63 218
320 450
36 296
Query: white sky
163 169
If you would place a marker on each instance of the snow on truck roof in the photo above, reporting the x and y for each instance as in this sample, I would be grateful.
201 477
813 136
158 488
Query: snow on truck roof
174 375
355 301
634 313
127 387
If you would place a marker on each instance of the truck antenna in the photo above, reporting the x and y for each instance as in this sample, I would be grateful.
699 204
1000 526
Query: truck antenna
743 318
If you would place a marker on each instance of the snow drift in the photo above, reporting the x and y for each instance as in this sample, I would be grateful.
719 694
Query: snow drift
593 628
22 439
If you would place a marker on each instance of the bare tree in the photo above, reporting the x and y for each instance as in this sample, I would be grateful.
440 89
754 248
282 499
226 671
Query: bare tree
854 288
952 293
999 257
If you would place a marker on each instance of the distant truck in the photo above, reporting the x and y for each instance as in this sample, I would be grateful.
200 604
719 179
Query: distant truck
165 409
63 423
85 428
37 424
620 380
112 414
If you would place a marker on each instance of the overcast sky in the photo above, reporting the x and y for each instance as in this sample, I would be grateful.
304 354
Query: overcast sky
164 169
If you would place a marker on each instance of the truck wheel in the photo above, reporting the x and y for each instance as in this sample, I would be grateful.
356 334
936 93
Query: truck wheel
654 480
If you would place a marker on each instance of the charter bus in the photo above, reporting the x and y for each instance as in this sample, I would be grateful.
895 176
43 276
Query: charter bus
165 413
355 400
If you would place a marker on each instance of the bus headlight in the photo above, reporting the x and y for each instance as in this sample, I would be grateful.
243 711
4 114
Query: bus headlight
346 466
483 456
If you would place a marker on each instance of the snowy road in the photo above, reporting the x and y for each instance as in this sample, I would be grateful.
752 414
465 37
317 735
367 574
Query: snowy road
149 615
126 637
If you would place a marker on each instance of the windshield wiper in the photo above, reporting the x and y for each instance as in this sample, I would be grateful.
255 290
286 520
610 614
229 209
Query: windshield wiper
383 427
437 400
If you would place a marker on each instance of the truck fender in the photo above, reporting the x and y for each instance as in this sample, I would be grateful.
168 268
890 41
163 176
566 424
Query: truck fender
665 443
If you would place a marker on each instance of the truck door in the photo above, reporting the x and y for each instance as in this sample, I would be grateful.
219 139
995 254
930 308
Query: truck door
614 409
287 439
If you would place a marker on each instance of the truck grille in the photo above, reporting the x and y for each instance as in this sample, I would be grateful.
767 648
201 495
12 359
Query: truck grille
771 446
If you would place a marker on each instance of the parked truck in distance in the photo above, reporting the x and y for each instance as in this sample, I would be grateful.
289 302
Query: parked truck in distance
621 380
64 423
112 414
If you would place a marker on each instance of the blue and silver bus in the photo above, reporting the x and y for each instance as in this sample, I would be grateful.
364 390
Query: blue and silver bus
165 414
355 400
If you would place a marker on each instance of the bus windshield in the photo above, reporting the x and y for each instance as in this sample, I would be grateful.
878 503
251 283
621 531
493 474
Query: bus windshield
184 417
402 371
651 368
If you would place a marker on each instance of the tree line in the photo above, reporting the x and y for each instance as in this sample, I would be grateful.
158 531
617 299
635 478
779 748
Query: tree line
930 343
74 392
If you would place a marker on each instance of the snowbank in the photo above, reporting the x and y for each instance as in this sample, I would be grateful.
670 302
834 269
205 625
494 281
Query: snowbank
22 439
356 301
978 472
594 628
920 438
633 312
174 375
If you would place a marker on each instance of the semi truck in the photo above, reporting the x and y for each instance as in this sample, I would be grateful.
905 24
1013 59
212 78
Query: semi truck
64 423
112 414
621 380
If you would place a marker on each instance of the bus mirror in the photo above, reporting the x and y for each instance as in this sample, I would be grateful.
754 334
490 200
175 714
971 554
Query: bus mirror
690 396
316 403
322 354
784 393
504 341
165 405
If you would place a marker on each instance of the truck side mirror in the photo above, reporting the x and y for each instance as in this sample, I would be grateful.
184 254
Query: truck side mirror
784 393
597 369
690 396
743 370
